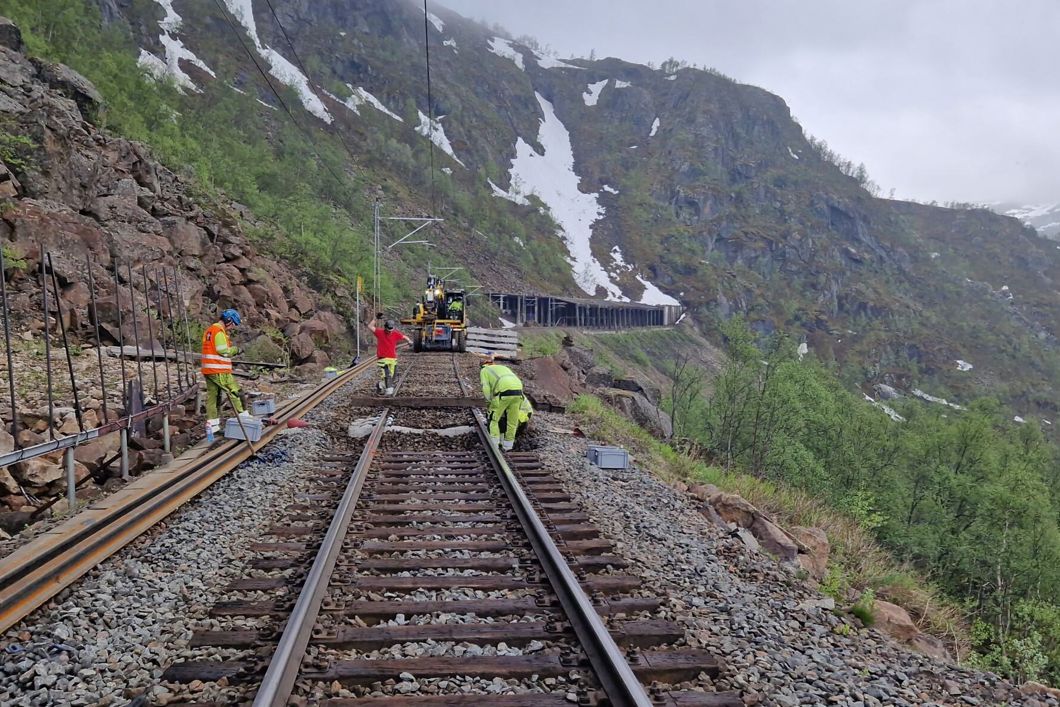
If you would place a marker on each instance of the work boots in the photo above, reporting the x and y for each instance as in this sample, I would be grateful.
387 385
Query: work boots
507 446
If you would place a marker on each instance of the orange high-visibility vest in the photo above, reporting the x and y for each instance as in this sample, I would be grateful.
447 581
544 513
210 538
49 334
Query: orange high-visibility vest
213 362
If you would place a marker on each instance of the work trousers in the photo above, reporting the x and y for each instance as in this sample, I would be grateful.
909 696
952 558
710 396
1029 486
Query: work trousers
218 386
506 406
387 370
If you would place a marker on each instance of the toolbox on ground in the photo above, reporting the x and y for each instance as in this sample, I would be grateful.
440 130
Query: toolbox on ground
263 406
251 425
608 457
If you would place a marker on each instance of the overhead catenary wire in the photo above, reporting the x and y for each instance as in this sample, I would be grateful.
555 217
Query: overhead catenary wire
286 109
430 102
304 70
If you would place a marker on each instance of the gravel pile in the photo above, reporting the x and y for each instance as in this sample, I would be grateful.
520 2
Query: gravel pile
781 643
107 639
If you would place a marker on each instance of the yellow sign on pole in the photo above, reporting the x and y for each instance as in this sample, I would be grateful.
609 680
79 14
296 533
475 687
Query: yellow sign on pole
360 283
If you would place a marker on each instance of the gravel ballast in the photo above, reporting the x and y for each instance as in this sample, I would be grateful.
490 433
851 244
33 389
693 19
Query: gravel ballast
107 639
780 644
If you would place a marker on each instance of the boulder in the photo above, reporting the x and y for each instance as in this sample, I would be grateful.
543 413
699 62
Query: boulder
599 377
894 621
886 392
704 492
10 35
651 417
58 229
72 84
774 539
300 300
93 454
1037 689
10 187
7 442
734 509
8 483
187 238
548 383
39 471
76 295
930 646
302 347
813 550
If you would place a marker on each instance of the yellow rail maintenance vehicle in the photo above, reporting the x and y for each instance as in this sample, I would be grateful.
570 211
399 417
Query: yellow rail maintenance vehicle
439 320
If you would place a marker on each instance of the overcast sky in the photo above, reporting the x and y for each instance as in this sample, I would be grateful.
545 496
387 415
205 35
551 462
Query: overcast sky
952 100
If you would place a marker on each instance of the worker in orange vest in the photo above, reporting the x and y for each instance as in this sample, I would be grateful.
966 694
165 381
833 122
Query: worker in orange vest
217 355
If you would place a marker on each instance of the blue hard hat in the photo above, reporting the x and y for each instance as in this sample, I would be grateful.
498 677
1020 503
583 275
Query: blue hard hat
231 316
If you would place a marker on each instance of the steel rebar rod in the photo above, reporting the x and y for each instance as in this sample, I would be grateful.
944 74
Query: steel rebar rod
7 349
162 334
66 347
121 332
136 329
187 327
151 332
99 347
47 346
174 326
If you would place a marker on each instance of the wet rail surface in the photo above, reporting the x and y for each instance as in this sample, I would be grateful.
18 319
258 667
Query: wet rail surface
435 595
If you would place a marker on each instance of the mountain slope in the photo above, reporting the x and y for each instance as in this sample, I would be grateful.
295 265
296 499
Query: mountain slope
663 184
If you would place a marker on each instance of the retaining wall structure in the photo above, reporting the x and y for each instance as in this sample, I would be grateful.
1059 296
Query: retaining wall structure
549 310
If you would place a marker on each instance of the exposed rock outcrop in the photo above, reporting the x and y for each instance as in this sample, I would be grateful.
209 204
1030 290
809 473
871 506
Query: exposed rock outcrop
80 191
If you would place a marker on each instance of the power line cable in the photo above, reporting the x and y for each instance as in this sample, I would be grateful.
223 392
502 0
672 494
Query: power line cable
250 55
430 102
298 60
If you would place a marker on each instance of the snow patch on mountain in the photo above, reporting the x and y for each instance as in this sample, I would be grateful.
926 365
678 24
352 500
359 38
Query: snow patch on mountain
436 21
283 70
609 189
592 92
934 399
964 366
622 84
503 48
433 130
1044 218
548 62
360 97
887 409
451 43
652 294
654 127
551 177
175 51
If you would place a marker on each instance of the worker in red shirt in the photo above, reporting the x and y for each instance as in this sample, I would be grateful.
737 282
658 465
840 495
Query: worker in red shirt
386 341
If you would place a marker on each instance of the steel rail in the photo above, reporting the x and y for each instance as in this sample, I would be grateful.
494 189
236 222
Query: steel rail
280 677
616 677
37 571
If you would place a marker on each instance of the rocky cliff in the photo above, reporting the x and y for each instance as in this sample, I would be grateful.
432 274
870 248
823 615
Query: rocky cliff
77 190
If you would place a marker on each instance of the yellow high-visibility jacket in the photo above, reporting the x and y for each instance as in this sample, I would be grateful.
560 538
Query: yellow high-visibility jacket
497 379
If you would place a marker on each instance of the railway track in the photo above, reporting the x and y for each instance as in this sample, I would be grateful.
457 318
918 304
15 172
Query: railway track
422 567
36 572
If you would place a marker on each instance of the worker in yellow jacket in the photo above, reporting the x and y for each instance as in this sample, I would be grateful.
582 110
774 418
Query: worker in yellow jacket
217 355
526 411
504 395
